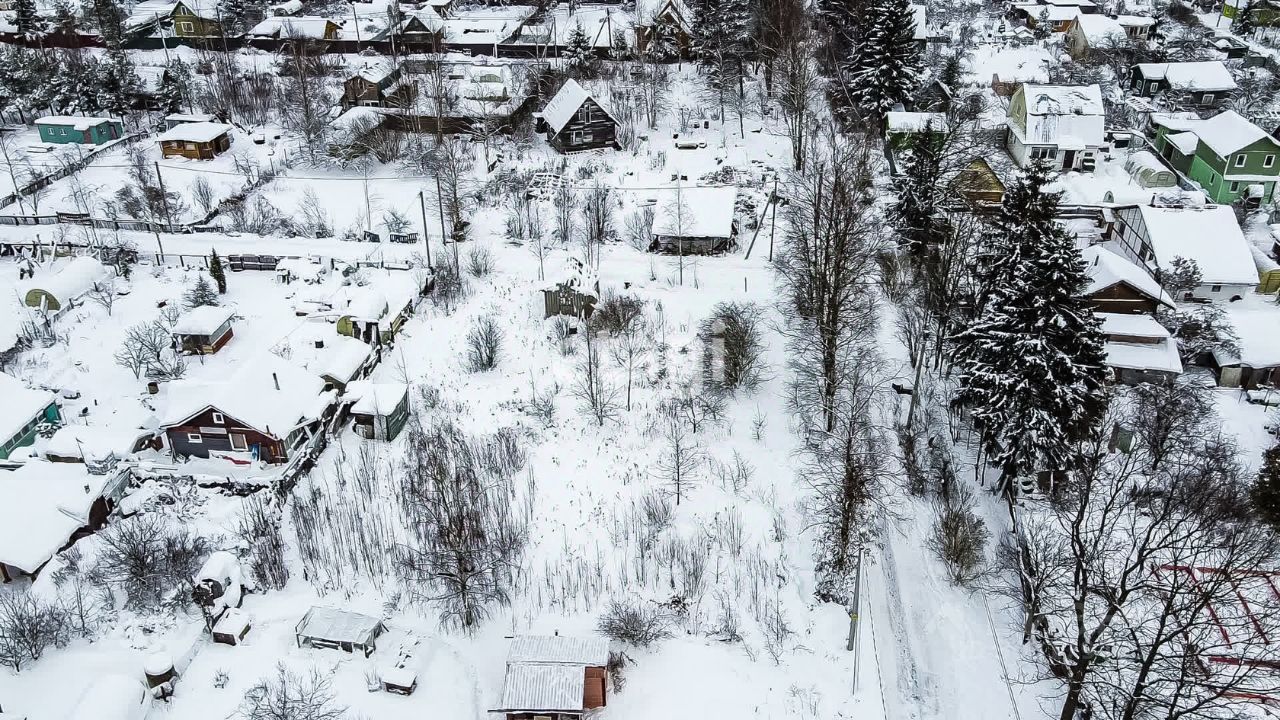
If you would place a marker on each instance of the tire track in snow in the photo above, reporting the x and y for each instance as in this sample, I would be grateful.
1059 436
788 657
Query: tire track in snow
908 674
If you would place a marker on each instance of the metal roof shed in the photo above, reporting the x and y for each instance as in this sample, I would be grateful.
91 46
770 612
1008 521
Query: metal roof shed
324 627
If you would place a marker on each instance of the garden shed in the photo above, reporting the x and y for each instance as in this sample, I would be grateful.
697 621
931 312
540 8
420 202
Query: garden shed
324 627
52 292
553 675
380 409
203 330
695 220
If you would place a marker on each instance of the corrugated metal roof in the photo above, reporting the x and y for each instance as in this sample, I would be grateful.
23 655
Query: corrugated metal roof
592 651
543 687
335 625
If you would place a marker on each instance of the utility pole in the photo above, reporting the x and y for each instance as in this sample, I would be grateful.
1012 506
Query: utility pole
773 215
915 385
426 236
355 22
854 645
164 199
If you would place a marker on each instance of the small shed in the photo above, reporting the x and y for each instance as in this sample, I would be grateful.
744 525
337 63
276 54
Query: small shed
695 220
398 680
74 130
231 628
567 299
380 409
196 140
978 184
52 292
555 675
324 627
203 330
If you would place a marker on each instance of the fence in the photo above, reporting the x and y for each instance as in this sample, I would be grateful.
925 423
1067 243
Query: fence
66 170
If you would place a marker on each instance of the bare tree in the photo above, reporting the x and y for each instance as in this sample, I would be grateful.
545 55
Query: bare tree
630 346
287 695
597 226
959 537
734 355
1168 418
682 456
799 87
28 626
104 294
484 345
148 349
147 559
598 396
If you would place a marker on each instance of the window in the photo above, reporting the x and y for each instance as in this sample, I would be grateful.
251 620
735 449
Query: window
238 442
1269 161
1206 99
1215 288
186 27
1240 159
194 438
1235 187
1043 152
218 419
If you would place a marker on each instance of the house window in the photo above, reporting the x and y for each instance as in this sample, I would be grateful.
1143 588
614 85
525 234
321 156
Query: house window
194 438
1043 152
238 442
1206 99
1235 187
1240 159
1215 288
218 419
186 27
1268 161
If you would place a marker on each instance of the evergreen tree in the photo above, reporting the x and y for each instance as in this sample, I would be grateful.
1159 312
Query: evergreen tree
885 64
238 16
1266 489
175 87
916 211
27 19
1243 23
1031 361
64 18
108 18
118 84
201 294
217 273
580 56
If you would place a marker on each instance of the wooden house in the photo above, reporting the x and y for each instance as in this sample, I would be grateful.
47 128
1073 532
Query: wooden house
670 24
195 141
1117 285
329 628
1058 125
1139 349
695 220
377 88
295 28
1207 83
73 130
555 677
574 120
266 410
978 184
196 18
175 119
1153 236
23 410
202 330
1230 157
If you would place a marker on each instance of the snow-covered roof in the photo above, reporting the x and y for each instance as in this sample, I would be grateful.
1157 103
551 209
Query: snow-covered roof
289 7
189 118
112 696
306 28
91 442
232 622
541 687
401 677
1053 12
1098 28
203 320
340 358
559 649
1106 268
72 121
194 132
1209 235
482 30
20 405
1161 356
374 398
73 279
1135 20
915 121
1228 131
566 102
1209 75
149 11
265 392
41 505
325 623
1255 325
695 212
1062 115
1186 142
1179 121
1133 325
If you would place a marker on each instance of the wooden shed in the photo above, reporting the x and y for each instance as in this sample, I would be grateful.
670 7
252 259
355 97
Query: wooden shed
555 676
978 184
203 330
574 120
195 141
398 680
324 627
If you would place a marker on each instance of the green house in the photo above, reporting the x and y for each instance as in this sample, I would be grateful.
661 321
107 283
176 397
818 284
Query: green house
21 413
1225 154
195 18
72 130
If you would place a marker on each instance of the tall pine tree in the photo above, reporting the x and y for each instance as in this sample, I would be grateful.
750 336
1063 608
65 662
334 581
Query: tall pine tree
27 19
1031 361
916 211
217 272
1266 489
885 64
580 56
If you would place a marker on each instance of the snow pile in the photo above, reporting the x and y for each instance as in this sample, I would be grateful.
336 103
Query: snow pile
72 280
41 505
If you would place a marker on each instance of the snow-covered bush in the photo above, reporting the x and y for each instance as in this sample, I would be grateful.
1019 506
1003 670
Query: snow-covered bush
627 621
733 356
28 625
484 345
959 537
479 261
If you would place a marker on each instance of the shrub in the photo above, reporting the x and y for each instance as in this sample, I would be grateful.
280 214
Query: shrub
479 261
484 344
628 622
734 347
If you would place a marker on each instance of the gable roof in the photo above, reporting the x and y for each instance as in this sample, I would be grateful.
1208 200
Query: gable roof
21 404
307 28
543 687
1106 268
559 111
695 212
1061 115
41 505
267 393
1191 76
1208 235
559 649
197 132
1098 28
201 320
1228 132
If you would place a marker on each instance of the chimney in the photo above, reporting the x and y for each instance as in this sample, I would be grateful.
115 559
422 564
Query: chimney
319 344
275 379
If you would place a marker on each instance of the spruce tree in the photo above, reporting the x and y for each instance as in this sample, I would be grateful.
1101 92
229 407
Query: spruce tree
580 55
200 294
1266 489
175 86
118 84
217 273
1243 23
1031 362
885 64
27 19
916 213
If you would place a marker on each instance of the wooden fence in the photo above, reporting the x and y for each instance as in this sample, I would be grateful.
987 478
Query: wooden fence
68 169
